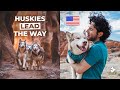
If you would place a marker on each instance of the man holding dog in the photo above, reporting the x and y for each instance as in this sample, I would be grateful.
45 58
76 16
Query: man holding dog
92 65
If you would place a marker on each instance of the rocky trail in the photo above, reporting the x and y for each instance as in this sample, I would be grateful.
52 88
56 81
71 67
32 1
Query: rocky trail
11 71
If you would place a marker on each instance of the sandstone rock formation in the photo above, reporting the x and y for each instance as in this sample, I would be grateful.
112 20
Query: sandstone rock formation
9 42
6 34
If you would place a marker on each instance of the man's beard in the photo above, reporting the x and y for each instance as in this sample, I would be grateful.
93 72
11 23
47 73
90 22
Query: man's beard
93 38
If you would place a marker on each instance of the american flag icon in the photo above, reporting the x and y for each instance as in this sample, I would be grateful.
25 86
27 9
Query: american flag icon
73 20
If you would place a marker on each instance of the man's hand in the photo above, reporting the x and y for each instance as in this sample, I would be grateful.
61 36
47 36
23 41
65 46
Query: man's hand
81 67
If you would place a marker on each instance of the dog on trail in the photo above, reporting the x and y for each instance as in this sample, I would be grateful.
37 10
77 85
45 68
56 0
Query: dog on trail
21 53
37 55
28 61
78 45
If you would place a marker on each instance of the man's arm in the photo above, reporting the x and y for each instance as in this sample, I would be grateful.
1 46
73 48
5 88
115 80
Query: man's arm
91 58
81 67
77 58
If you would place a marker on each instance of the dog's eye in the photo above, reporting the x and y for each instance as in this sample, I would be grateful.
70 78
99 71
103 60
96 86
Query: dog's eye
77 38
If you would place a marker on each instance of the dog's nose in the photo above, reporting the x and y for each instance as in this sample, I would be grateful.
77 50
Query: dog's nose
22 46
35 49
85 43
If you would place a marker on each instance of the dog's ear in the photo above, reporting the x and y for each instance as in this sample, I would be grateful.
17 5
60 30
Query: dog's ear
32 46
42 49
39 45
68 35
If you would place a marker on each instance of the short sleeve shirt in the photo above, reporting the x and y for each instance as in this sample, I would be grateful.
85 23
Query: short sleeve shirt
96 58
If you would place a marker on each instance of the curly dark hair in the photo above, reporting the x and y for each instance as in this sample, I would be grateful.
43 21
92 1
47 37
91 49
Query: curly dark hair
102 25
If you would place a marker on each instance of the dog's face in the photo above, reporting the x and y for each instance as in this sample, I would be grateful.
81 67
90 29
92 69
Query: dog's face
22 44
35 47
78 43
29 48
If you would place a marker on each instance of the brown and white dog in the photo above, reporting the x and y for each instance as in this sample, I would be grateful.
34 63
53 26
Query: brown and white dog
37 55
78 45
21 53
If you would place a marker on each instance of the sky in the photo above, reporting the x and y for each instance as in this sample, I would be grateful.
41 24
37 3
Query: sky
113 18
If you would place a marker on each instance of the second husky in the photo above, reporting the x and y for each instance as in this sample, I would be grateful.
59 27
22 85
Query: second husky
37 55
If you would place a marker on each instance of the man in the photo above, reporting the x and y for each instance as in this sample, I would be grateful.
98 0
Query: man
93 64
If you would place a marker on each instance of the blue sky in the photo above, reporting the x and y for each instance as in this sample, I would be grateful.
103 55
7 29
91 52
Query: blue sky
113 18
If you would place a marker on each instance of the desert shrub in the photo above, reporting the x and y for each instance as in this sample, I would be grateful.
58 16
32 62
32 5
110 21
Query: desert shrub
112 50
118 55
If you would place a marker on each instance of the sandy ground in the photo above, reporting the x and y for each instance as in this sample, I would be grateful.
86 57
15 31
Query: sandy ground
112 62
50 71
11 71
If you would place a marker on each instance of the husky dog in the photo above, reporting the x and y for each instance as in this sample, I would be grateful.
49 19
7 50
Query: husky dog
78 45
21 53
27 61
38 55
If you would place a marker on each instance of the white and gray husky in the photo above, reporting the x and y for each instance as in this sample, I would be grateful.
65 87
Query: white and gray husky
78 45
38 55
